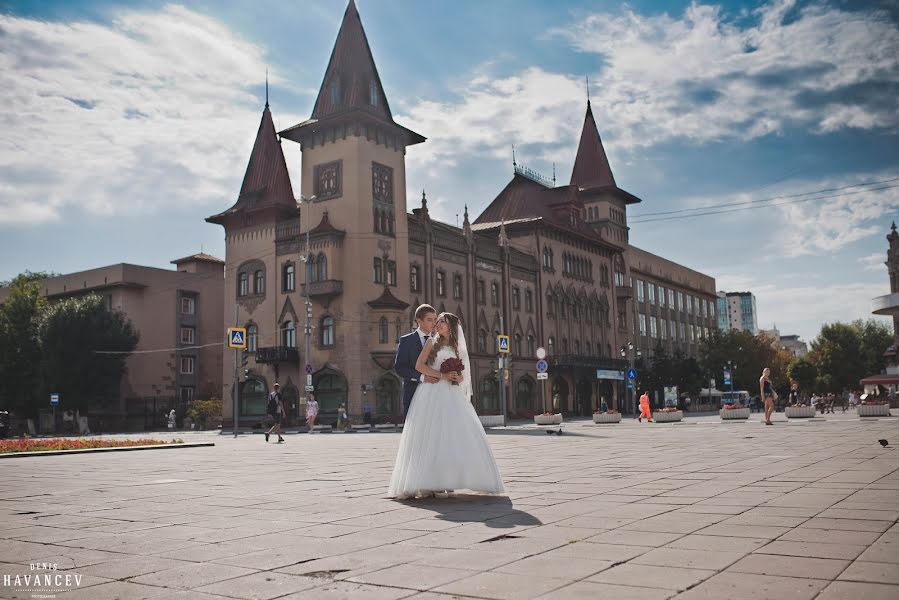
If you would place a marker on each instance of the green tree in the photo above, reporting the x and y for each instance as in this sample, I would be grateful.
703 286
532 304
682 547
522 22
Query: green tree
837 353
804 373
876 337
20 349
85 346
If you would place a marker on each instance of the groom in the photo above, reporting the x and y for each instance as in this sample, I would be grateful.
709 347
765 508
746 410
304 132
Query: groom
409 349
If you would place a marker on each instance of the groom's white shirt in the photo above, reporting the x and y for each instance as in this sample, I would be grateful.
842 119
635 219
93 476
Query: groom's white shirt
423 337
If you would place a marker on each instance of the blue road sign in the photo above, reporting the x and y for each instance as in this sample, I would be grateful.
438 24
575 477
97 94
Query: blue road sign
237 337
727 377
632 374
542 366
503 343
630 384
308 369
54 399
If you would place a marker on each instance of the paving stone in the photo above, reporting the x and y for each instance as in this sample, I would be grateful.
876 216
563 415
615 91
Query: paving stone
754 587
261 586
558 566
114 590
695 559
793 566
412 576
192 576
718 543
849 590
830 536
885 549
588 590
634 538
669 578
812 549
871 572
343 590
502 586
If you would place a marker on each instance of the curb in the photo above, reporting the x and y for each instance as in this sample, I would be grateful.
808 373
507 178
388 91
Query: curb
89 450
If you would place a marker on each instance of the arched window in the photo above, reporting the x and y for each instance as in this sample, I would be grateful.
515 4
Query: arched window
488 396
482 341
495 342
387 393
390 221
377 271
564 345
524 393
290 277
289 334
321 264
330 390
518 349
457 286
253 397
252 337
243 284
577 347
588 349
383 331
551 343
259 282
494 293
531 350
441 283
391 272
547 258
415 278
327 331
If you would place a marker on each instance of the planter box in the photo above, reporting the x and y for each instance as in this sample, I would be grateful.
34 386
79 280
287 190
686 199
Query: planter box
668 417
607 417
548 419
734 413
491 420
874 410
800 412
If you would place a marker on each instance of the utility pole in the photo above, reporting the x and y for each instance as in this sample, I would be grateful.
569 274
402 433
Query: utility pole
236 372
307 329
502 373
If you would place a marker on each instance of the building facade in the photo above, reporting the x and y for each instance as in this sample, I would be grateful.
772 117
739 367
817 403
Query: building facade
178 314
888 305
546 264
737 311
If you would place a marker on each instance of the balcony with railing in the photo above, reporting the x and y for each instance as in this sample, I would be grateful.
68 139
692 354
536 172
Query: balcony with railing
886 305
287 229
329 288
277 354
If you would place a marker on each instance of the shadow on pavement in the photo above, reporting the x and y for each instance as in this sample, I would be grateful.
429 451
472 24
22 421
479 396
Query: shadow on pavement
492 511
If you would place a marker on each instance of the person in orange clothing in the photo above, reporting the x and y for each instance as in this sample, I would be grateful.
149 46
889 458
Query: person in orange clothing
644 408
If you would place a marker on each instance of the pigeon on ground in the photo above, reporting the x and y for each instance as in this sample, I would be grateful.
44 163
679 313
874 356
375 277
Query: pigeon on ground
884 443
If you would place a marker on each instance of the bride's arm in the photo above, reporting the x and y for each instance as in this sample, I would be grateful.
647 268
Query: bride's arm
421 365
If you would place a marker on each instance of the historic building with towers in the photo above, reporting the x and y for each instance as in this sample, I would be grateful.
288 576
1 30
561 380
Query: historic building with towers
347 262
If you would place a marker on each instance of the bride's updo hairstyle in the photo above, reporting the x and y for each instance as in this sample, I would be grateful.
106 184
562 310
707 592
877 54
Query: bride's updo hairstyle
453 341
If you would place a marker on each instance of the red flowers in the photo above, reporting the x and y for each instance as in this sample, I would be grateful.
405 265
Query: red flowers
450 365
45 444
736 406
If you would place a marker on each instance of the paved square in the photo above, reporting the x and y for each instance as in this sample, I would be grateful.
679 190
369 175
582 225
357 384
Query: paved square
699 509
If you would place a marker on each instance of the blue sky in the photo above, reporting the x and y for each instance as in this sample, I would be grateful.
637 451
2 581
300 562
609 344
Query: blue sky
127 123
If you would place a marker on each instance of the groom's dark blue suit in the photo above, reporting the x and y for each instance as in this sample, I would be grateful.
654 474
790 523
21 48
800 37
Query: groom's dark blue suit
407 352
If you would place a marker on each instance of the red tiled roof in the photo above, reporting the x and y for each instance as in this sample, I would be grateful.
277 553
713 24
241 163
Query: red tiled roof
200 257
352 68
266 181
325 226
591 166
388 300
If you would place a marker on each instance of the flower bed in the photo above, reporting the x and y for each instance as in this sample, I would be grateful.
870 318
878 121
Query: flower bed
51 444
873 410
800 412
667 415
734 411
607 417
548 419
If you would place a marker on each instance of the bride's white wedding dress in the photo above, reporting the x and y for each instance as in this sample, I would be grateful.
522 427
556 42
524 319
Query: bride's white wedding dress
443 446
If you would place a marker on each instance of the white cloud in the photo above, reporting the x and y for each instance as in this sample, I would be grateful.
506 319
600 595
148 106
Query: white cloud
147 113
695 77
873 262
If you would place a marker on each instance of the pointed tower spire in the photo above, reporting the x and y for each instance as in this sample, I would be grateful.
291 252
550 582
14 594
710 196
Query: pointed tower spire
266 87
351 79
266 178
591 166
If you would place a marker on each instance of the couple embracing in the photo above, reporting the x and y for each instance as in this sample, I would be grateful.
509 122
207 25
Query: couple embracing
443 447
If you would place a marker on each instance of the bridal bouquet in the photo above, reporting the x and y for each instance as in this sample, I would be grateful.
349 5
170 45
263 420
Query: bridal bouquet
450 365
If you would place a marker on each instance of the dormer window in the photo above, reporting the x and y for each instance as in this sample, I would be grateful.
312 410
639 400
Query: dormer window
573 218
335 92
373 94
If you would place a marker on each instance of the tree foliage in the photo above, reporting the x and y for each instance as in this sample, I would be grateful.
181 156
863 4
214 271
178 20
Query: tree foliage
20 349
845 353
749 354
85 346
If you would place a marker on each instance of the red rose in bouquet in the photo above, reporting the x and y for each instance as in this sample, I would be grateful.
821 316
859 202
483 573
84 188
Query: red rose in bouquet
450 365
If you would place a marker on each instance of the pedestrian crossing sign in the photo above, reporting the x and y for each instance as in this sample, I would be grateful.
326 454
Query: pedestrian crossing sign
237 337
502 342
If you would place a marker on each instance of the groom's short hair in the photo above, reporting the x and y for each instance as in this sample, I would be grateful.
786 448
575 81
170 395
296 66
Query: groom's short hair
422 311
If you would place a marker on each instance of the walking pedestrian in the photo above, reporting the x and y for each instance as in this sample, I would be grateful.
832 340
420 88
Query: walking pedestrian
172 420
275 408
311 412
341 416
644 408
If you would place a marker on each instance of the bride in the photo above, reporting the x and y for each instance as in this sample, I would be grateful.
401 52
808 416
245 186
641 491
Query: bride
443 446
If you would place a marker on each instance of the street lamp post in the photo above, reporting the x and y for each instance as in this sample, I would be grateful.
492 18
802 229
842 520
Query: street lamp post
308 327
628 352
